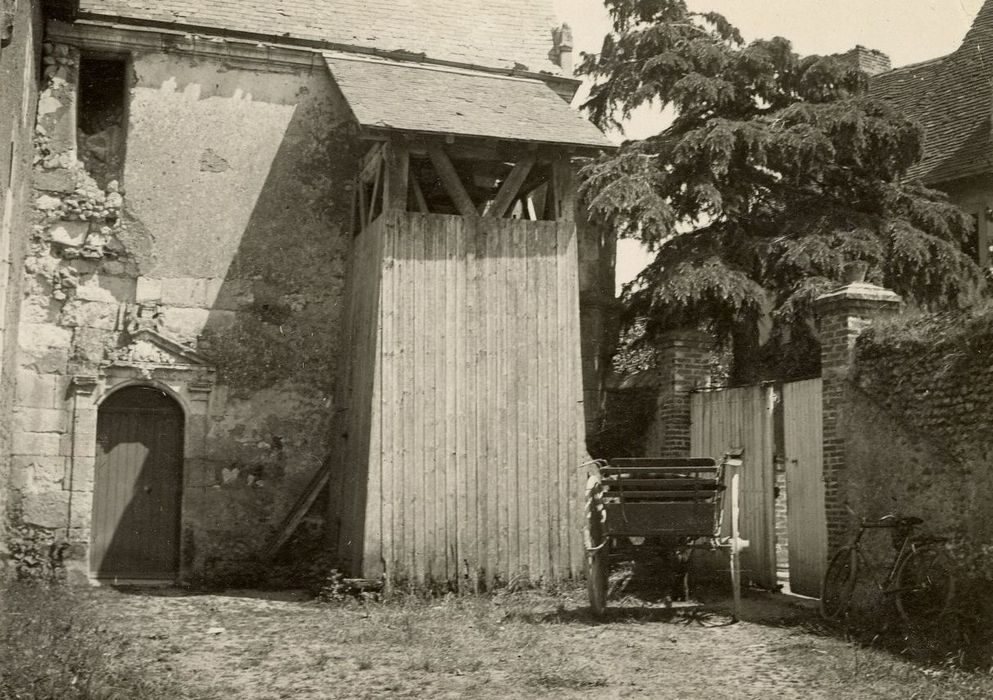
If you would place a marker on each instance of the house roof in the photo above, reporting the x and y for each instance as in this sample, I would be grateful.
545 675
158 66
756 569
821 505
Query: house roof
952 98
422 98
503 34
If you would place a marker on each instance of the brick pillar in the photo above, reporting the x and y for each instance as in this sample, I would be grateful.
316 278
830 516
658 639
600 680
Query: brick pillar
844 314
684 366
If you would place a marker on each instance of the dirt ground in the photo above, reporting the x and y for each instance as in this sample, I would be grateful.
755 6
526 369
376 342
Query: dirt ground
244 644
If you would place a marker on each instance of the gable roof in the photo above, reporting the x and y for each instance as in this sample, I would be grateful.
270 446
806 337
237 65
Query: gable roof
951 97
492 33
429 99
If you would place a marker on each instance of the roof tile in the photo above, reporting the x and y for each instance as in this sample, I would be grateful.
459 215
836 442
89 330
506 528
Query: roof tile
951 97
422 98
488 33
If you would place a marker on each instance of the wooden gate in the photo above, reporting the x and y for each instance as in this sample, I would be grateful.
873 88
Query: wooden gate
806 519
137 486
743 418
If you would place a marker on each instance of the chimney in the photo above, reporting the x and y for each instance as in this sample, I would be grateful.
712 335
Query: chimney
562 51
869 61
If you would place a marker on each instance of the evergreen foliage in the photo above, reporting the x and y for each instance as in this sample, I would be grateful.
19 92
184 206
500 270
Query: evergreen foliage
777 171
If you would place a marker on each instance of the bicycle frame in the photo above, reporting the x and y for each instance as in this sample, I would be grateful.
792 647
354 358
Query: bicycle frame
907 545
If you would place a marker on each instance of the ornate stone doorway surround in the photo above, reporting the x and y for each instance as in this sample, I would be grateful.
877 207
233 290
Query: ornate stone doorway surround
149 359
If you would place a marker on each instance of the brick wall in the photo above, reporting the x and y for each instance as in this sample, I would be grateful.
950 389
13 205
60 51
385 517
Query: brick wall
685 364
843 314
869 61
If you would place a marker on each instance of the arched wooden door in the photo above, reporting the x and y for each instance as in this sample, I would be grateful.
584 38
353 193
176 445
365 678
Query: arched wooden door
137 486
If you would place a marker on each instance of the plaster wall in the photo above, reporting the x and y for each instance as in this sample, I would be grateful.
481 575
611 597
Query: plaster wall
225 235
974 196
19 56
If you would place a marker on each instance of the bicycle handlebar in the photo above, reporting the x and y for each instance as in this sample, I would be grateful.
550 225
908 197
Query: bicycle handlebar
887 521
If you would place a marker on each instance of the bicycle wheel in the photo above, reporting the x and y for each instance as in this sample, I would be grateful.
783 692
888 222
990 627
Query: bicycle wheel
924 585
839 583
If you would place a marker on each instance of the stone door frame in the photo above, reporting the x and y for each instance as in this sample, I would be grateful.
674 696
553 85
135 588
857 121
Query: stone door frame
186 385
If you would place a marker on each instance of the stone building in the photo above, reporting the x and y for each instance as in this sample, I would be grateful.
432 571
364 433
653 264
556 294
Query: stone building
186 364
951 97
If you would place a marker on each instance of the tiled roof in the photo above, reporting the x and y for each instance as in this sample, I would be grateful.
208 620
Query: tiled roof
422 98
952 98
492 33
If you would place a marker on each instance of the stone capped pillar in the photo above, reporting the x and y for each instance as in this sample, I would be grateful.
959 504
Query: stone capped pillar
684 366
844 313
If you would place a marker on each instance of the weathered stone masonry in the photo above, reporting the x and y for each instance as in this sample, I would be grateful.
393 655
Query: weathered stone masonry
20 28
213 269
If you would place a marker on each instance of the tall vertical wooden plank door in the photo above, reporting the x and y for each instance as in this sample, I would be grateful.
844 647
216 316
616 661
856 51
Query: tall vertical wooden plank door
806 518
137 487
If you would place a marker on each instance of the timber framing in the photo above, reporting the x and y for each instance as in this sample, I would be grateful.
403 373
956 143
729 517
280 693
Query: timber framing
538 184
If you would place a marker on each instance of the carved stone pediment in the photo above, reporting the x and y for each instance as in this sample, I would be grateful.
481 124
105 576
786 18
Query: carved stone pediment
150 349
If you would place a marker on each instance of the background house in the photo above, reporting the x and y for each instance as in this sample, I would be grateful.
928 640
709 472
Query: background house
952 98
201 343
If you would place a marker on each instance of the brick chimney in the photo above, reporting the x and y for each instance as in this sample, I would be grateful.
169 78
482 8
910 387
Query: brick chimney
562 48
869 61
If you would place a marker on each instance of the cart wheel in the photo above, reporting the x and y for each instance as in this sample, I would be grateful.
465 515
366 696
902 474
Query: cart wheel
597 575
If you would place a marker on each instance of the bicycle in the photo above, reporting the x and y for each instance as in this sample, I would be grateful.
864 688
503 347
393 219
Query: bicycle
920 577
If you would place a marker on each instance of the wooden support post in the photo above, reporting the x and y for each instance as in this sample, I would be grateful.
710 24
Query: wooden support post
564 190
397 157
354 221
450 179
510 187
734 465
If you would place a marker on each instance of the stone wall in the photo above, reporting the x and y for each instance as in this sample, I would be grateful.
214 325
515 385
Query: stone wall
925 387
19 55
224 244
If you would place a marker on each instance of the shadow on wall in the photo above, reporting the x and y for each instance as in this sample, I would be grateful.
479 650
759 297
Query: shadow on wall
239 176
893 468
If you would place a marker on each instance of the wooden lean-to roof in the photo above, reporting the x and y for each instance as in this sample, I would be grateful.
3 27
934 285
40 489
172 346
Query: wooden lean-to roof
426 99
494 33
952 98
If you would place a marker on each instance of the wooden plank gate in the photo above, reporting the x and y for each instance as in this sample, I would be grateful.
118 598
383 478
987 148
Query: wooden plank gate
745 418
742 418
803 451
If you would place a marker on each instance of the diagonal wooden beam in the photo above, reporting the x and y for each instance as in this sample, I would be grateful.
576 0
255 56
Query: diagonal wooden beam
510 187
422 203
376 186
363 204
299 510
450 179
370 161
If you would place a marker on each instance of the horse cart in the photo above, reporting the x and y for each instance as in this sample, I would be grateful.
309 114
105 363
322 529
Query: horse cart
636 507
